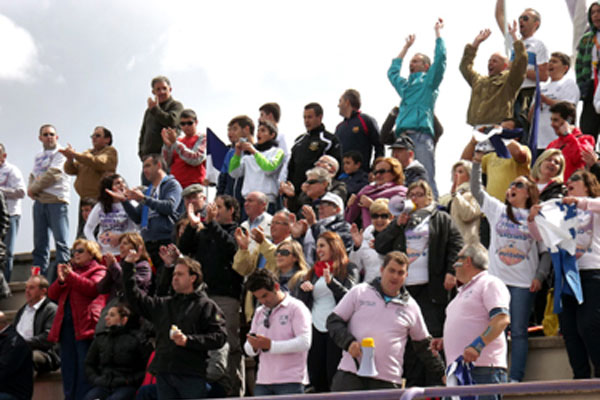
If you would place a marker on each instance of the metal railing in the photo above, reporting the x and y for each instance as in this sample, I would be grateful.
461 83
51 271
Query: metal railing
538 387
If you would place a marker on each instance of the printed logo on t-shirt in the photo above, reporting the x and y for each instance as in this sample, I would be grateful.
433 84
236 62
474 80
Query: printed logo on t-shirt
514 241
367 303
283 319
585 231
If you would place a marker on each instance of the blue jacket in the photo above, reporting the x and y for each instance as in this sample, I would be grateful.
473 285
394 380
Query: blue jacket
165 211
418 92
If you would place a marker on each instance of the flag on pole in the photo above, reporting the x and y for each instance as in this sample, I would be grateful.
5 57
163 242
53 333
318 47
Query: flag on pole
215 155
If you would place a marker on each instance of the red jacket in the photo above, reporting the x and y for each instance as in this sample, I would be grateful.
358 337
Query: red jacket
80 287
571 146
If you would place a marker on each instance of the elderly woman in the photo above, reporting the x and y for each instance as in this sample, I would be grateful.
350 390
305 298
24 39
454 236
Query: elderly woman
79 306
461 204
580 323
317 183
389 181
514 256
363 254
547 172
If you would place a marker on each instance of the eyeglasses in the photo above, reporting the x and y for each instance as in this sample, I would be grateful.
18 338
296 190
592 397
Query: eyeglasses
384 216
518 185
77 251
524 18
282 223
416 194
186 123
312 181
283 252
95 135
48 134
381 171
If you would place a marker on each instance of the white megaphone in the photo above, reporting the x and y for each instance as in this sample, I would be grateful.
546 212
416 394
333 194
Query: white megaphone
367 362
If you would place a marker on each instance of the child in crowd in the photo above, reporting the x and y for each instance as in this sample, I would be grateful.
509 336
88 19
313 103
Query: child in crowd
353 176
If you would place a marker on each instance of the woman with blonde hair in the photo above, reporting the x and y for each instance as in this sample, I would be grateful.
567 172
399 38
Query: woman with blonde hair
291 265
547 172
322 288
461 204
363 254
79 306
389 181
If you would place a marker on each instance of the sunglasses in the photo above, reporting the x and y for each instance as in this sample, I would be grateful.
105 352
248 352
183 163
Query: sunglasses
312 181
96 135
77 251
48 134
384 216
575 178
524 18
381 171
266 322
518 185
186 123
283 252
416 194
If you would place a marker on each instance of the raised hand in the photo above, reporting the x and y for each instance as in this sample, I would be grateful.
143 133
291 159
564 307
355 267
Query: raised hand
309 214
438 27
512 30
258 235
483 35
242 237
357 235
299 228
152 103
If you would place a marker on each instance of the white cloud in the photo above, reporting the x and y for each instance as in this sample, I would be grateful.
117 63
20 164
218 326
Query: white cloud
20 60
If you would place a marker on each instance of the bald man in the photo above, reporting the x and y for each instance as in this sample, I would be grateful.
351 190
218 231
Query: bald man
493 96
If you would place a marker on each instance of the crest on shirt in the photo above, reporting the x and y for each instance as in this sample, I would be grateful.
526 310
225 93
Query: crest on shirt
313 146
283 319
356 129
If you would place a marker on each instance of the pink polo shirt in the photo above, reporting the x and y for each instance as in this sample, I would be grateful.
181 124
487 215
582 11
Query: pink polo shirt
467 316
388 324
290 332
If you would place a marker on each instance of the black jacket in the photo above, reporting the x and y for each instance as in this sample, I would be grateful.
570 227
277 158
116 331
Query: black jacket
116 358
307 149
338 225
554 190
16 365
361 133
339 289
356 181
197 316
214 247
445 242
42 322
295 203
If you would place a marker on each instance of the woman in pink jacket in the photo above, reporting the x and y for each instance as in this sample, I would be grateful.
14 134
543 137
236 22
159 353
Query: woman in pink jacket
389 181
79 307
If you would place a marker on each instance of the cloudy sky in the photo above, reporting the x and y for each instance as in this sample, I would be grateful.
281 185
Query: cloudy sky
79 64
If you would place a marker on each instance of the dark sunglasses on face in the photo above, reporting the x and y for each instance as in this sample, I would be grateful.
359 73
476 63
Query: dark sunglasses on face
48 134
77 251
283 252
381 171
524 18
384 216
312 181
96 135
186 123
575 178
518 185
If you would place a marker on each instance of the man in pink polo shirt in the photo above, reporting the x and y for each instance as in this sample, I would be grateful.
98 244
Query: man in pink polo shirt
383 310
476 318
280 335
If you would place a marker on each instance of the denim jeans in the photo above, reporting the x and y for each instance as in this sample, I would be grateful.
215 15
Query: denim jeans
9 241
425 154
46 218
278 388
521 302
580 325
72 354
487 375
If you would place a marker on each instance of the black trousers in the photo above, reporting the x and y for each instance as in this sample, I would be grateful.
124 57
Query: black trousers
323 359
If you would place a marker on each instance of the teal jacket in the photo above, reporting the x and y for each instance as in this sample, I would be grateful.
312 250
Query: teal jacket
418 92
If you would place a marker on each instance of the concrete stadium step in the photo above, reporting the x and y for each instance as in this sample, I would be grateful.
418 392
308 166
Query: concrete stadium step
17 299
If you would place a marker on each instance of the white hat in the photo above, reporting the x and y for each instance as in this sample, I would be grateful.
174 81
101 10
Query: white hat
333 198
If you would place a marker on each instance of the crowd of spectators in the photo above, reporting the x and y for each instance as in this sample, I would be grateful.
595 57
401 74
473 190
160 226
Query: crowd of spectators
335 266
